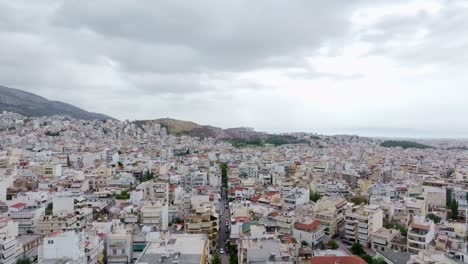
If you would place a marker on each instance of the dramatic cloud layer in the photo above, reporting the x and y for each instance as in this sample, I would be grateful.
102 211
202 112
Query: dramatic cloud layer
274 65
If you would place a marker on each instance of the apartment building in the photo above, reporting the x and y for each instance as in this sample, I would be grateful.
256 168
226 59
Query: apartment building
169 248
310 231
120 244
421 233
155 214
266 251
382 239
8 240
62 246
155 191
361 222
452 237
204 220
26 217
49 223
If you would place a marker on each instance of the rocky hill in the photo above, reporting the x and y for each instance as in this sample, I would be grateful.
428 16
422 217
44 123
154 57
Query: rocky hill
239 137
179 127
29 104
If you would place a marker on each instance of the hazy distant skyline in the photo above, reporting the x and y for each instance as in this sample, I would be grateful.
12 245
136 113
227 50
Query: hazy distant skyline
279 66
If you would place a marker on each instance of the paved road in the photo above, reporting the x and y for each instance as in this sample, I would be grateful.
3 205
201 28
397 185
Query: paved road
222 227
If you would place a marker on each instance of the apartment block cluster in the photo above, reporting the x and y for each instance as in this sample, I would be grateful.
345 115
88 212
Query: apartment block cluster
76 191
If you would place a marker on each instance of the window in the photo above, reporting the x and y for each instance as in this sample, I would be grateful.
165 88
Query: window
50 242
114 251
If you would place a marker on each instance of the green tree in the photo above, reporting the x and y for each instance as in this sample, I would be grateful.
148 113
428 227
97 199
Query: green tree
49 209
314 196
120 164
332 244
359 199
304 243
453 210
434 218
368 259
233 258
378 260
24 260
216 259
357 249
224 178
147 176
123 195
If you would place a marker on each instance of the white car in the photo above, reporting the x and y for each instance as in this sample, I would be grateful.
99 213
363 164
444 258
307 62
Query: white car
221 251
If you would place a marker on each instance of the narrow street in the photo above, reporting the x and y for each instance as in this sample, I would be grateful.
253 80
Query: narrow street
223 235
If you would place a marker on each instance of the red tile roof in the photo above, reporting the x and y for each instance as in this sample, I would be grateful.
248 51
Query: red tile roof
307 227
56 232
337 260
255 198
18 205
273 214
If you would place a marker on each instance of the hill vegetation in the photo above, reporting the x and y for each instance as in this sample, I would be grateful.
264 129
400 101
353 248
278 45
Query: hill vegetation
403 144
276 140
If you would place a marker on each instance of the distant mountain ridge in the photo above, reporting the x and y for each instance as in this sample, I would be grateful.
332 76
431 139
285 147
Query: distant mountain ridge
180 127
29 104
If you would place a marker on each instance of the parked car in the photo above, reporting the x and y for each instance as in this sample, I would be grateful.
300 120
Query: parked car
221 251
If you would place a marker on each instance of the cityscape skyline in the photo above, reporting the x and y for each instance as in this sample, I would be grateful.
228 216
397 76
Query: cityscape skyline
352 65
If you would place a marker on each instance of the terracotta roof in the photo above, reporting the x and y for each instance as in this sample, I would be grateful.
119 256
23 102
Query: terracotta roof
337 260
18 205
56 232
273 214
419 226
307 227
241 219
255 198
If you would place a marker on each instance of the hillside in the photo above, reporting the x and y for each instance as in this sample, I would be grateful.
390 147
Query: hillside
29 104
404 144
239 137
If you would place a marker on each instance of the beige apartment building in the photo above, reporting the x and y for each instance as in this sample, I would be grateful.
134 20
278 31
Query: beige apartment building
50 223
204 220
361 222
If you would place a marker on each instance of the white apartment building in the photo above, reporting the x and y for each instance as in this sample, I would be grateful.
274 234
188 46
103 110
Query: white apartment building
60 245
361 222
120 245
310 231
8 240
155 213
420 234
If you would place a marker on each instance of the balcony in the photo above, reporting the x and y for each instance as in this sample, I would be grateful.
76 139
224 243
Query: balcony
363 225
194 226
416 241
363 231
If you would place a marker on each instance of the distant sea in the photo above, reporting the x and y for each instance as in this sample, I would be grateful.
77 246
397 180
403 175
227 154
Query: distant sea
396 133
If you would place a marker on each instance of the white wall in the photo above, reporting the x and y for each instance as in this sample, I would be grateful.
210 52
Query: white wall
63 205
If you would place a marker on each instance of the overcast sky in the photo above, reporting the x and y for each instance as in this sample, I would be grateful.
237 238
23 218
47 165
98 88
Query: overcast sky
368 66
